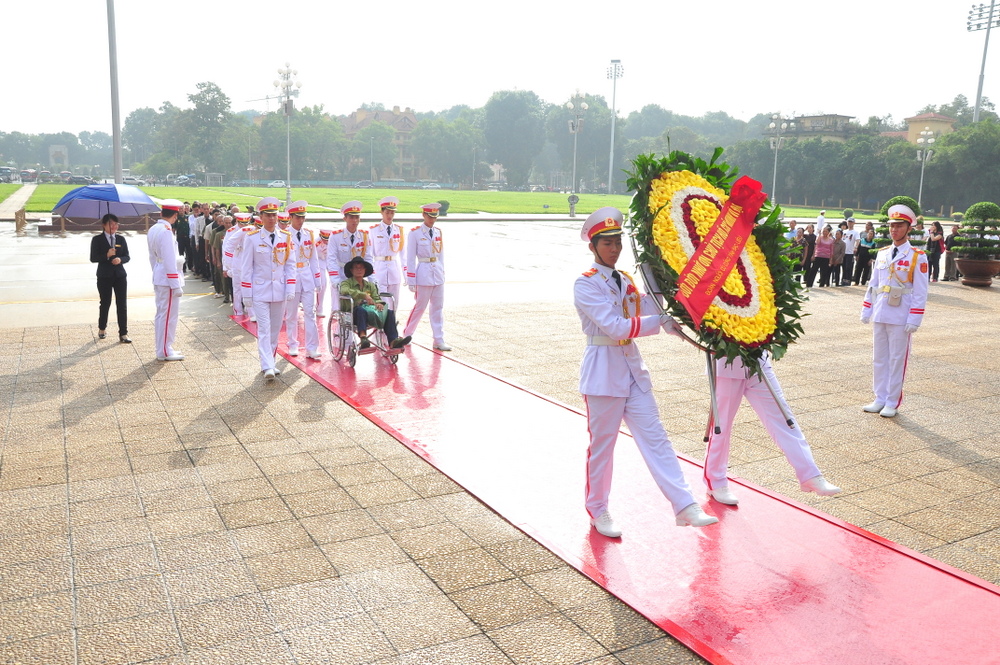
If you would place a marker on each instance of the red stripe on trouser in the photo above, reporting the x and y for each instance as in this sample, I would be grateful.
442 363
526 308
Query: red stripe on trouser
586 489
166 323
906 361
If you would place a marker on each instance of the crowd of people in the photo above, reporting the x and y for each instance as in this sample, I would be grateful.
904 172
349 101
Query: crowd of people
276 272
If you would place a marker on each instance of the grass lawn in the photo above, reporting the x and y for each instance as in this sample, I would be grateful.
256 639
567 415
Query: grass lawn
6 190
325 200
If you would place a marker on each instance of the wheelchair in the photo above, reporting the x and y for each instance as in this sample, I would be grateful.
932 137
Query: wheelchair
343 339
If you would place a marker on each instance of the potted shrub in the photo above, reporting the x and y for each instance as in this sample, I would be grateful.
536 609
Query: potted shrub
976 246
882 230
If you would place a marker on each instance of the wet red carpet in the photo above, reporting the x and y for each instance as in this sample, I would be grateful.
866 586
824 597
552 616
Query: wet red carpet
775 582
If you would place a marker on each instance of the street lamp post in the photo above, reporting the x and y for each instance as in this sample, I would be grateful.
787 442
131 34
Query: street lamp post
287 88
575 125
778 125
615 72
371 158
982 17
923 155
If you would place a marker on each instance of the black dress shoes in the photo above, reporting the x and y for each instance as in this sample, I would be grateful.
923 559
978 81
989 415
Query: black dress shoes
123 339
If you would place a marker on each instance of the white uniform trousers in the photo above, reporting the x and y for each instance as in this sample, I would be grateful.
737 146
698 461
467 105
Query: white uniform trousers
891 350
320 298
307 298
237 294
791 441
433 296
392 290
168 306
270 316
640 413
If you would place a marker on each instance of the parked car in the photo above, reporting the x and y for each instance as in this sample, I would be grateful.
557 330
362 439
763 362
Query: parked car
431 185
187 181
240 183
132 180
277 183
365 184
80 180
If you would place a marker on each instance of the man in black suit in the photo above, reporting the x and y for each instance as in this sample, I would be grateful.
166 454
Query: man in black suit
110 252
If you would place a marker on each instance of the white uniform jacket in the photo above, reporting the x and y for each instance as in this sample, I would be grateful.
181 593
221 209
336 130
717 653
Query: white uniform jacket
611 360
424 256
163 256
308 271
909 270
267 270
387 248
340 250
231 245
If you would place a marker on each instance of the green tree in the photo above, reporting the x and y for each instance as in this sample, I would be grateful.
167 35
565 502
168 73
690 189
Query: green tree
139 132
206 123
447 148
514 131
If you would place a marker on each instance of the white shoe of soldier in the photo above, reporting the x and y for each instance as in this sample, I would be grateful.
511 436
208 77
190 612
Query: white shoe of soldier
314 355
269 375
253 318
293 350
874 407
693 515
820 486
277 372
606 526
888 412
443 347
724 495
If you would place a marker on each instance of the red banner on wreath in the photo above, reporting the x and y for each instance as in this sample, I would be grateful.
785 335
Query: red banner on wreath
719 250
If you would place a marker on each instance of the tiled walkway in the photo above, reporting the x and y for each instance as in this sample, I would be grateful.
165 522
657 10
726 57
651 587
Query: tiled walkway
189 513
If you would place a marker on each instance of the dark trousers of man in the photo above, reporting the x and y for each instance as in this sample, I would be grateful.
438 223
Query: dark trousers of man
190 259
182 245
862 267
822 266
846 270
105 287
361 322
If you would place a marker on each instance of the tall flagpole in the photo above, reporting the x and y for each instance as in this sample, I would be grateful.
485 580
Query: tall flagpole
116 129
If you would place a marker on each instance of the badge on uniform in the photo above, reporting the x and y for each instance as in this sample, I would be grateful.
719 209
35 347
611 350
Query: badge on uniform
923 268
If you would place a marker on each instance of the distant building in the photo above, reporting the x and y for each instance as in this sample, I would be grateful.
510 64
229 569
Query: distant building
827 127
935 122
403 122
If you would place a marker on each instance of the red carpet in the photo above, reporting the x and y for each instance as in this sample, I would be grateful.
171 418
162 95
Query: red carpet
774 582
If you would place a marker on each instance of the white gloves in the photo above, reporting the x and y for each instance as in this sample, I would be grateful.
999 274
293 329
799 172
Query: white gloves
866 319
670 326
910 328
177 292
412 288
290 297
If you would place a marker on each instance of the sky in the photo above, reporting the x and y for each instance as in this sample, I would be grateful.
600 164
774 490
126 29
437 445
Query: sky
852 57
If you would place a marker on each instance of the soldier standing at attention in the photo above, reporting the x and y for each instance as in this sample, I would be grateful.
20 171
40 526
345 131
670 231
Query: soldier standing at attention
387 248
168 282
345 244
308 274
894 304
425 275
267 275
615 383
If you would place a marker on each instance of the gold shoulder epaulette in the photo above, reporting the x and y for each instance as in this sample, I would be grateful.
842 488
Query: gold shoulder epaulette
255 231
590 273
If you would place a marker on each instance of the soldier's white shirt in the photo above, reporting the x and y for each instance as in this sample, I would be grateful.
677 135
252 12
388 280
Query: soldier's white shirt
908 270
267 271
386 249
341 249
424 256
308 270
163 256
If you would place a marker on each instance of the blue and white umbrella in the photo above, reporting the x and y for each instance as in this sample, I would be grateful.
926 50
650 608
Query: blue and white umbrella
95 201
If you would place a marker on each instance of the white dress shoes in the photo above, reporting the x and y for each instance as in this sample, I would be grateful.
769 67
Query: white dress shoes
293 350
269 375
606 526
724 495
888 412
277 372
820 486
444 347
172 356
874 407
693 515
315 355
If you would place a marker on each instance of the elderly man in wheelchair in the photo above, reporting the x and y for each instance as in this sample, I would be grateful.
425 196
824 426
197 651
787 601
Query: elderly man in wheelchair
369 308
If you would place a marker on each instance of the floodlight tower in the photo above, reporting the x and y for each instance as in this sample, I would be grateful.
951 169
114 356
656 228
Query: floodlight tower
287 88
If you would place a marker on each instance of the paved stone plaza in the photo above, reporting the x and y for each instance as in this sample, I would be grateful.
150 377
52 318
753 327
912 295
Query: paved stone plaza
188 513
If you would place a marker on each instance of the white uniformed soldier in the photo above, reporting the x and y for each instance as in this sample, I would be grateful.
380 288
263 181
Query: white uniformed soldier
232 245
733 382
387 249
614 380
425 275
322 245
308 275
267 274
894 303
344 245
168 280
